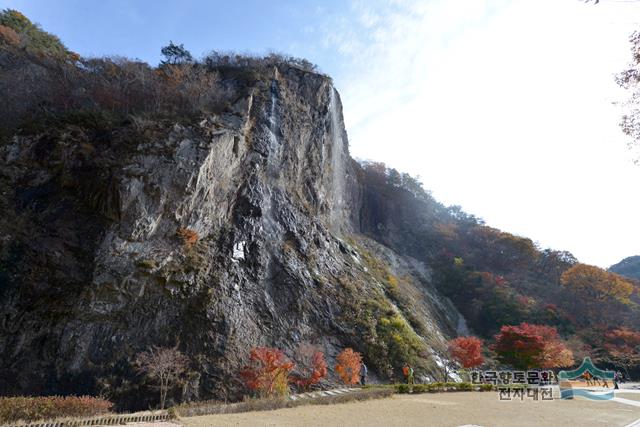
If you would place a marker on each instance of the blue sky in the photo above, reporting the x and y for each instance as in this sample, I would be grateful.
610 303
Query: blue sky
139 28
505 107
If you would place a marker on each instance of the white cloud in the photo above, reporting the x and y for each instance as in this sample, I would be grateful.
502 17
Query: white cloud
504 107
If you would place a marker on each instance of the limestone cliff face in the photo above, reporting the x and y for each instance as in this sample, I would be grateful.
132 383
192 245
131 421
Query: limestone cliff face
93 268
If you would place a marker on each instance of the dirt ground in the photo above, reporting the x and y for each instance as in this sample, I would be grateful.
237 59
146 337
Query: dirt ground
437 410
634 396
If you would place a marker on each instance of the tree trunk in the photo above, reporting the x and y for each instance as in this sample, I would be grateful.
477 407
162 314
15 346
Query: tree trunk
163 393
626 371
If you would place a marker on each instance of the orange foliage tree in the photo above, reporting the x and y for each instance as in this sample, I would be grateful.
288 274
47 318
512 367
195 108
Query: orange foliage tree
531 346
595 290
311 366
189 237
267 372
467 351
348 366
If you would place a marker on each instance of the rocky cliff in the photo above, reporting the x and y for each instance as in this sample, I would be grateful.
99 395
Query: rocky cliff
242 228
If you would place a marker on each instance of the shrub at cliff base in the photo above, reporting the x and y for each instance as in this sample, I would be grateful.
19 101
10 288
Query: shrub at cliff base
311 367
348 366
527 346
467 351
48 407
267 373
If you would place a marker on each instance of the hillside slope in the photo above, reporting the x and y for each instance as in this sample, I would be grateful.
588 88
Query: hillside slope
628 267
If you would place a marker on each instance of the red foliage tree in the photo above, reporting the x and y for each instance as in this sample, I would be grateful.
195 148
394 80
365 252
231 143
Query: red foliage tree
622 346
467 351
348 366
526 346
267 372
310 366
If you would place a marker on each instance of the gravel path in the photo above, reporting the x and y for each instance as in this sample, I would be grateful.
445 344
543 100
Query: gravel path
158 424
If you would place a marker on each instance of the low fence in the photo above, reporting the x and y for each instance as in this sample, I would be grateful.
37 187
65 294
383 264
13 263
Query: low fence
107 420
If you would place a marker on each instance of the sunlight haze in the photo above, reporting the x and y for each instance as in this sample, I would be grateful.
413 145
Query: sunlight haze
512 117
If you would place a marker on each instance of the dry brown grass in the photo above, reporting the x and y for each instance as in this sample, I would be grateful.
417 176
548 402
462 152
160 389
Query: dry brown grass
213 407
436 410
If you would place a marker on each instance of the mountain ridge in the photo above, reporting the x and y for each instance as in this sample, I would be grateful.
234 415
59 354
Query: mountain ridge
628 267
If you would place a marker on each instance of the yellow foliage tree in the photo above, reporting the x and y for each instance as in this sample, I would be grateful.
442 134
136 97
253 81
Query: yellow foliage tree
596 284
556 355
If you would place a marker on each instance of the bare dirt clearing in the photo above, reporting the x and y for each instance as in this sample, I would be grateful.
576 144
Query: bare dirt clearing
436 410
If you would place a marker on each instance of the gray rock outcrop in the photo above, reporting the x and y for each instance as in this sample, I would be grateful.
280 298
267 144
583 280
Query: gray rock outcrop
244 228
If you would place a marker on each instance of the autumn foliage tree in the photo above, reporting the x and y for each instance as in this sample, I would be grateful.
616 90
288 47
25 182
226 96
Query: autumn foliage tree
527 346
596 284
17 29
189 237
556 354
622 346
594 290
311 366
348 366
267 372
467 351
